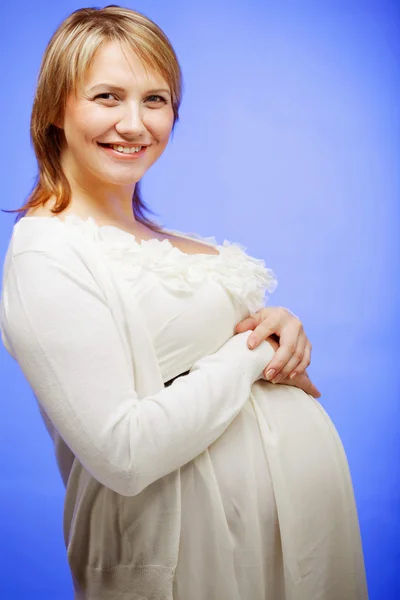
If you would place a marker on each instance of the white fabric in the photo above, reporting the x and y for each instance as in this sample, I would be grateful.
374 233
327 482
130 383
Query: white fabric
249 480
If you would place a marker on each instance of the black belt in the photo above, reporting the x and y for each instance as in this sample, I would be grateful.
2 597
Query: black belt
173 379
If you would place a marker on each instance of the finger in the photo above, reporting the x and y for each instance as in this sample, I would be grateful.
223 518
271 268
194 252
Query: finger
303 383
260 333
246 324
295 361
290 366
310 388
287 348
304 364
294 365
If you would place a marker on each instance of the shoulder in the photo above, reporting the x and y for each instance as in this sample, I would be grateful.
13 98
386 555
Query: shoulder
39 234
45 254
52 243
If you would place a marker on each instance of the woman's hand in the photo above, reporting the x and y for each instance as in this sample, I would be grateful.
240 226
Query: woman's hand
293 352
300 381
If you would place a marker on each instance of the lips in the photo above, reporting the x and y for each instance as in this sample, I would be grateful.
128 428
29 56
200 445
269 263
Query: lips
110 144
110 148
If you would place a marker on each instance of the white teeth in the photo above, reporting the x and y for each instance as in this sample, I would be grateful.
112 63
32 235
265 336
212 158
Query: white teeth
126 149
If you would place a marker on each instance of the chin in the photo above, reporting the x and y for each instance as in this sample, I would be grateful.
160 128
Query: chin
121 179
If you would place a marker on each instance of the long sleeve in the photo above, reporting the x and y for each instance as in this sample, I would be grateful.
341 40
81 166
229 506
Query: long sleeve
63 336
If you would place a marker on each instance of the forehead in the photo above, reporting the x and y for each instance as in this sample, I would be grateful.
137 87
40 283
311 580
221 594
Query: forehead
117 63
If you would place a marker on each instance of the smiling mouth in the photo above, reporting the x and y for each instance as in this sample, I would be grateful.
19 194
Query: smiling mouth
123 149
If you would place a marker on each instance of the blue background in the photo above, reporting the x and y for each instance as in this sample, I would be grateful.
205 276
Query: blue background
288 143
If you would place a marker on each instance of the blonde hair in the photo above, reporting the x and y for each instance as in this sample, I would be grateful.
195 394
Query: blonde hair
64 64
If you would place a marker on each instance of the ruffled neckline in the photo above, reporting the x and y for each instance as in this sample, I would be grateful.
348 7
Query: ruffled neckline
246 278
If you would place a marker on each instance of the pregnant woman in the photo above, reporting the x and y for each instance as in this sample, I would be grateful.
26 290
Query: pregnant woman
188 475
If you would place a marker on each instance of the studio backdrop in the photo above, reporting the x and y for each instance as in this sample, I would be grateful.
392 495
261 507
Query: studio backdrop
288 143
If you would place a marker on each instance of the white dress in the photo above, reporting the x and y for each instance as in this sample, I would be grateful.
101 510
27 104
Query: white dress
267 511
281 444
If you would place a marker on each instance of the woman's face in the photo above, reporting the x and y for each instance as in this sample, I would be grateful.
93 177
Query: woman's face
122 103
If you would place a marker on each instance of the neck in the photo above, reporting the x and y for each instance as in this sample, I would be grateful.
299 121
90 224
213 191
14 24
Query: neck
104 201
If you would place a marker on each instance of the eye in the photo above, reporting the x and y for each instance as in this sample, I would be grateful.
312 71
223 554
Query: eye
103 96
155 98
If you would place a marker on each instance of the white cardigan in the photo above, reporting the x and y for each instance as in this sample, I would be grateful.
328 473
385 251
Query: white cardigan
120 437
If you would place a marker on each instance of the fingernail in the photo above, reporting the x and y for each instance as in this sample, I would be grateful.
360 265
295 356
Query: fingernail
252 343
270 374
293 375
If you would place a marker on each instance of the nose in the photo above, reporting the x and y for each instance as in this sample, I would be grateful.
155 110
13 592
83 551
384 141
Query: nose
130 123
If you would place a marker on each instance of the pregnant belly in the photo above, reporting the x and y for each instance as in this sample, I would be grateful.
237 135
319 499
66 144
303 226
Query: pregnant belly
275 484
299 439
235 476
274 428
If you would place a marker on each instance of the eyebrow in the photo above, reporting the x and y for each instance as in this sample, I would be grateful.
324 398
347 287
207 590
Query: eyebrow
116 88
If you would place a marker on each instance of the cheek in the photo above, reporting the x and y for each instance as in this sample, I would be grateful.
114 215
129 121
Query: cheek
86 122
160 124
94 123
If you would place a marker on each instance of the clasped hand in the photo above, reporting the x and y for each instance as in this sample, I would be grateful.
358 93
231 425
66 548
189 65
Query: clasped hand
293 348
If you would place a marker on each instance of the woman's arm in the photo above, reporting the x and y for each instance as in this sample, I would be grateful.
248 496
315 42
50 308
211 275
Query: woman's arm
62 333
